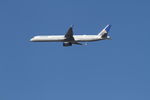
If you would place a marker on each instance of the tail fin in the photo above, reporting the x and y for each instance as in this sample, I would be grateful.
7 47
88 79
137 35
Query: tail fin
105 31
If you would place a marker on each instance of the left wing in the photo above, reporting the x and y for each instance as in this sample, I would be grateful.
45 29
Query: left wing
69 38
69 34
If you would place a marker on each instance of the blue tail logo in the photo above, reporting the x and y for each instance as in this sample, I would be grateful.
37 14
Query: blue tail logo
105 30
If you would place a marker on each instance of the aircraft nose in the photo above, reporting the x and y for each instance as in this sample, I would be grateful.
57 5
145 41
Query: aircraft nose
31 39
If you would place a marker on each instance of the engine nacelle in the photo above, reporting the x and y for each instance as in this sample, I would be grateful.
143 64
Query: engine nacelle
66 44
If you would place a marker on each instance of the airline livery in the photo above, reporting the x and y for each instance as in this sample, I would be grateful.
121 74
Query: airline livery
69 38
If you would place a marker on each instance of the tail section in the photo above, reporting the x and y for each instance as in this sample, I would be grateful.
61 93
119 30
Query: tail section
104 32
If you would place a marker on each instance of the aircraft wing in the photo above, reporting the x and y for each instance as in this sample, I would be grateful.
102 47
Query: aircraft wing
69 37
69 34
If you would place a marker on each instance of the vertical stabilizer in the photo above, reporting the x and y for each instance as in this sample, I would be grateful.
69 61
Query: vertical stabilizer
105 31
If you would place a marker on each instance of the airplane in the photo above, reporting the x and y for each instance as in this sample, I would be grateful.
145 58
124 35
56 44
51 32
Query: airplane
69 38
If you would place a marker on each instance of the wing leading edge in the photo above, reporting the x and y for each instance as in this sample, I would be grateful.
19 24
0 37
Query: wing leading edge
69 34
69 38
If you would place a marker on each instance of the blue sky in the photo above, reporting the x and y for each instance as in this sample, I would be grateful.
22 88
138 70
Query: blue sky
117 69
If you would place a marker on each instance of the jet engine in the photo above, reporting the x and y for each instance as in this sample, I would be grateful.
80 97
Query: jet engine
66 44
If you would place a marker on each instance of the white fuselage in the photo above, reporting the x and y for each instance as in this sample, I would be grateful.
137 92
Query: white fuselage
61 38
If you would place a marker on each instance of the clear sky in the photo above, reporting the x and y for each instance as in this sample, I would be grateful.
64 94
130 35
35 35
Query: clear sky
117 69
